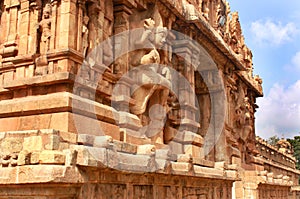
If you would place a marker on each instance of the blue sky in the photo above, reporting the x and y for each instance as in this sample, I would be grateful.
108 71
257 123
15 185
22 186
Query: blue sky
272 31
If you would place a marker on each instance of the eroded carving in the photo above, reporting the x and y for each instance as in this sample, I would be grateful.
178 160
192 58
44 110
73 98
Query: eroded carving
284 146
205 9
154 82
235 32
189 10
45 29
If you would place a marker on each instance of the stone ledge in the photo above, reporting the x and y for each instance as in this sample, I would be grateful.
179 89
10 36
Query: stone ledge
40 174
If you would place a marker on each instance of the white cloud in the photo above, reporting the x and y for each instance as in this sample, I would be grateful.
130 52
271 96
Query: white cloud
269 32
279 112
296 61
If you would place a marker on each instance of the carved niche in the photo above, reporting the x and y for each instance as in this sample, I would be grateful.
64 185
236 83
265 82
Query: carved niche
97 23
44 36
44 28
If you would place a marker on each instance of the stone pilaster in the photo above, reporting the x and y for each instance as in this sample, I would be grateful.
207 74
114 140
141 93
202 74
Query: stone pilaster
9 48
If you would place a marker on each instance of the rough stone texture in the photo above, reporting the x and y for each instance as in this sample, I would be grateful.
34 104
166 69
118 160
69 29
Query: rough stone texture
140 115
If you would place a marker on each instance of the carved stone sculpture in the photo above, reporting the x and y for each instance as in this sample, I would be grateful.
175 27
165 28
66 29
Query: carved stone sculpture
205 9
190 11
235 33
153 82
85 35
243 120
45 28
93 25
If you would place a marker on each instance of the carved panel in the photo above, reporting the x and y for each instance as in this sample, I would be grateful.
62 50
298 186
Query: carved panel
196 192
143 192
169 192
110 191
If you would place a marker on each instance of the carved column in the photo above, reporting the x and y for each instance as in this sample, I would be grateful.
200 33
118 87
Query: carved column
80 22
122 11
9 47
53 38
67 21
35 12
24 30
189 127
184 48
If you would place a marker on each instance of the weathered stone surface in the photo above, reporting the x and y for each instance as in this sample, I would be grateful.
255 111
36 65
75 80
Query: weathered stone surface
51 157
85 113
103 142
125 147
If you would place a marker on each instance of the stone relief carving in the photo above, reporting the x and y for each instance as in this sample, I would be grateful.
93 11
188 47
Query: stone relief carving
221 18
244 125
93 10
189 10
199 5
142 192
284 146
235 33
205 9
153 79
9 160
193 192
243 120
96 29
45 28
172 192
85 35
151 91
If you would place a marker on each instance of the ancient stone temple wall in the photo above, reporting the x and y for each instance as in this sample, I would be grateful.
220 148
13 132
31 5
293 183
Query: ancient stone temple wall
128 99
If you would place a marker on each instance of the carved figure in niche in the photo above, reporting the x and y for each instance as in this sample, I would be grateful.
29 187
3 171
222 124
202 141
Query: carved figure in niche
45 28
245 123
93 25
107 32
189 10
85 35
243 119
154 82
205 10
